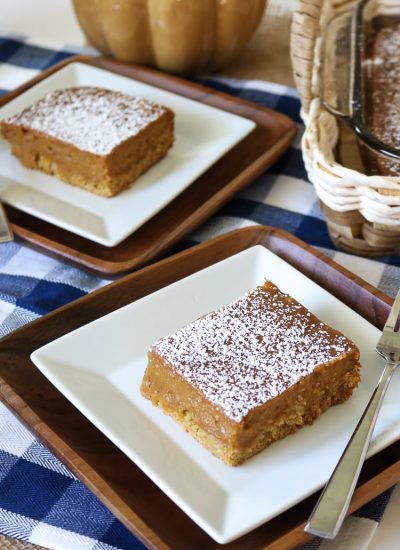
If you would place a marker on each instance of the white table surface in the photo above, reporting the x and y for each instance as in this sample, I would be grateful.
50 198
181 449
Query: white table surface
35 19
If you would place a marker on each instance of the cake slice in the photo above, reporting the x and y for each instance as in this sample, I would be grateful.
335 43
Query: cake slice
250 373
90 137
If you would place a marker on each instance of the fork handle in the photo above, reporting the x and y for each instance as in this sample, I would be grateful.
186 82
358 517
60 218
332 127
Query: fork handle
6 233
330 510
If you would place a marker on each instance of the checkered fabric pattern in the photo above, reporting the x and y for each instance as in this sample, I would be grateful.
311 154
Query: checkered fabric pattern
41 501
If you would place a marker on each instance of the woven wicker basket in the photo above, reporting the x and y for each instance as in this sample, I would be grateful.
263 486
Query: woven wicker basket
362 212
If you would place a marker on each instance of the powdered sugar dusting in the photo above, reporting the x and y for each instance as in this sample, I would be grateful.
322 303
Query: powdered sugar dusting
386 90
251 350
92 119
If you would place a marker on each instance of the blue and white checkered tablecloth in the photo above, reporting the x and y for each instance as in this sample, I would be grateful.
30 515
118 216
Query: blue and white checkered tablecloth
41 501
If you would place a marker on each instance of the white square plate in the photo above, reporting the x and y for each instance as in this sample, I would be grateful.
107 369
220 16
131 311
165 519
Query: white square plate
203 135
99 368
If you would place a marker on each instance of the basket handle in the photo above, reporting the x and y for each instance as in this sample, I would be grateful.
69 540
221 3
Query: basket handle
304 33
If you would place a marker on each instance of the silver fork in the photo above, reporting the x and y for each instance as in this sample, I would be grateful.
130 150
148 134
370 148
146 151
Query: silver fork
330 510
6 233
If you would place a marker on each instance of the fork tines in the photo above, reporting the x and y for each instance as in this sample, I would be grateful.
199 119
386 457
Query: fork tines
392 320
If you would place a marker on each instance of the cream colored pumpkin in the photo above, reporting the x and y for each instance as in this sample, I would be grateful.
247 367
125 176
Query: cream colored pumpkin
182 36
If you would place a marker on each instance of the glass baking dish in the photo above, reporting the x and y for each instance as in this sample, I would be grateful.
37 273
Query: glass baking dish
360 79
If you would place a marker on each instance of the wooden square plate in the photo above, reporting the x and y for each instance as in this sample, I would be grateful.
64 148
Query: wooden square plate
115 479
271 137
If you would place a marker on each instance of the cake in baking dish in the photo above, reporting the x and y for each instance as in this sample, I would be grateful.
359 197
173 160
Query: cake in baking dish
90 137
384 94
250 373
